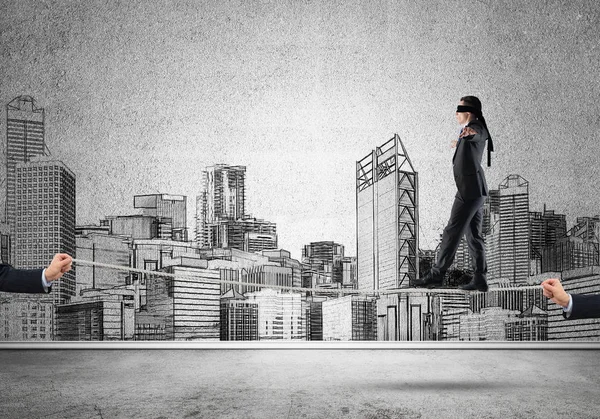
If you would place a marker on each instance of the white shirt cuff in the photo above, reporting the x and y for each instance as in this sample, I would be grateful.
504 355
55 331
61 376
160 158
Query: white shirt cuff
45 284
569 308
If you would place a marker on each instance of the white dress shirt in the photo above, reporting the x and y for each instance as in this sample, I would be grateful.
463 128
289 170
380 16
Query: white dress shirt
569 308
45 283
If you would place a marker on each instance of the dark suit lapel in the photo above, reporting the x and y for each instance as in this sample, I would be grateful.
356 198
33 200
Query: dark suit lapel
456 149
461 141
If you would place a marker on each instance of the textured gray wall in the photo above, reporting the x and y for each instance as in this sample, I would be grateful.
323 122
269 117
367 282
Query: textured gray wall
139 96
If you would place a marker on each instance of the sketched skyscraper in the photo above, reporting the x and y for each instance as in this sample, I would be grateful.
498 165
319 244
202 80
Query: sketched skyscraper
387 218
508 240
223 197
45 225
24 140
545 229
45 218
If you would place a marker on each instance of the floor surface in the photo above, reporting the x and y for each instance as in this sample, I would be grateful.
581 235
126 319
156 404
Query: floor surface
299 383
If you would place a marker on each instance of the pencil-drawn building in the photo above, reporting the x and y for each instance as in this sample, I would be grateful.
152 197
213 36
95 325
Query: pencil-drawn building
25 139
350 318
387 218
221 220
188 305
98 246
509 238
239 317
569 253
44 224
281 315
170 212
325 257
98 315
24 319
545 229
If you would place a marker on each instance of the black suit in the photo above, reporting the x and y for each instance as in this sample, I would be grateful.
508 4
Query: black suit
21 280
467 211
585 306
468 173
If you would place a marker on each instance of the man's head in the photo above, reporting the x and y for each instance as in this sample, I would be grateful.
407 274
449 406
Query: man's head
469 108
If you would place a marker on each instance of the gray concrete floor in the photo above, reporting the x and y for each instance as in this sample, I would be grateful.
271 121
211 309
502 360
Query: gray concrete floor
292 383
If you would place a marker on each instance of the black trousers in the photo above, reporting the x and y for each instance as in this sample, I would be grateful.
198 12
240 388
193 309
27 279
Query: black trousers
466 218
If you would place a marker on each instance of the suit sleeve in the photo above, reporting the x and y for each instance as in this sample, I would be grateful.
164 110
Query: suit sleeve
21 280
585 306
473 133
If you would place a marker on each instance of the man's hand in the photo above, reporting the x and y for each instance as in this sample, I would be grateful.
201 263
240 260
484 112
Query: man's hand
553 289
59 265
468 132
453 143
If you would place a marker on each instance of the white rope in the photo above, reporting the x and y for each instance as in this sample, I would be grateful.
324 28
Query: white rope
340 291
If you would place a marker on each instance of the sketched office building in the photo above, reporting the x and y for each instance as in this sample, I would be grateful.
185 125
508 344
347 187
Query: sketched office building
545 229
387 218
239 317
325 257
577 250
223 197
508 240
25 132
44 225
281 315
188 305
168 209
387 235
221 220
98 315
45 218
349 318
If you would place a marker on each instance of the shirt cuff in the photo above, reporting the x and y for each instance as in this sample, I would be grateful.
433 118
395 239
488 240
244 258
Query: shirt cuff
45 284
569 308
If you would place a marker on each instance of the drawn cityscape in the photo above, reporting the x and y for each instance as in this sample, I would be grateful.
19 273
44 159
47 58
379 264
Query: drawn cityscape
224 242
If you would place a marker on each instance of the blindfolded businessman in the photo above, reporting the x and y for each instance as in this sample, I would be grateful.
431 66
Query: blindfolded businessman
467 211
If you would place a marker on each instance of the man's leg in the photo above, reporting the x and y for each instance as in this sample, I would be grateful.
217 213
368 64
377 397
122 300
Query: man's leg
462 213
477 245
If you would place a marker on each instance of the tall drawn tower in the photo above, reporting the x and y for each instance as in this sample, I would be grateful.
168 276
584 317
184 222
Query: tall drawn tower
24 140
387 218
509 237
223 197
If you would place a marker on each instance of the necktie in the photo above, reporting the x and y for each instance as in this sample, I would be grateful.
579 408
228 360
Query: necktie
459 134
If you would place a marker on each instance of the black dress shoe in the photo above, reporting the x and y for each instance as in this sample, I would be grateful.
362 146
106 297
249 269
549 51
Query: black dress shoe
429 281
475 286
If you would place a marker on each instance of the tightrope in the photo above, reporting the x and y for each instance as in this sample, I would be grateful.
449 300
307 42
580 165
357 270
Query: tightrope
340 291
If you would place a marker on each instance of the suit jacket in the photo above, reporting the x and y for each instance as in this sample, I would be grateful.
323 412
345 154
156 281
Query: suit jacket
21 280
585 306
468 173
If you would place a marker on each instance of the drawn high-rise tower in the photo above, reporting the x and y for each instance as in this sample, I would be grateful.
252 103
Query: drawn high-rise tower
24 140
387 218
545 229
45 218
508 241
221 219
223 197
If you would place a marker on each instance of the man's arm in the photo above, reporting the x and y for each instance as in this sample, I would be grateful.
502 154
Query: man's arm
34 281
585 306
20 280
473 132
